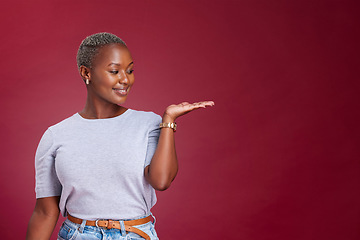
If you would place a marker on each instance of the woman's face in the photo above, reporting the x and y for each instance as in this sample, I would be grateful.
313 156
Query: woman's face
111 74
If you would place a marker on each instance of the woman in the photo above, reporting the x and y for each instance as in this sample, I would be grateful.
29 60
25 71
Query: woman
101 166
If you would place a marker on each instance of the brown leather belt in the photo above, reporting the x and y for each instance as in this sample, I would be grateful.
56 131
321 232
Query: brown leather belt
109 224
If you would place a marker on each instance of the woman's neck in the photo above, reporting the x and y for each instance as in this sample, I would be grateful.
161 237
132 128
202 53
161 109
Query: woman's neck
100 109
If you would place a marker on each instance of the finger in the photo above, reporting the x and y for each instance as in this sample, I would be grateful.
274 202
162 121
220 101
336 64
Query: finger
189 105
203 104
193 106
211 103
198 105
208 103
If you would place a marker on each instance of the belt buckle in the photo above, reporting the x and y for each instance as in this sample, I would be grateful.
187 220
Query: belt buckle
96 223
108 223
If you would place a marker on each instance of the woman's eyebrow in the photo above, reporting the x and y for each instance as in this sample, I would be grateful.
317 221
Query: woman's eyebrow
118 64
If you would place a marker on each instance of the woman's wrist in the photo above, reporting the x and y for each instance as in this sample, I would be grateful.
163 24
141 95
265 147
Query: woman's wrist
167 119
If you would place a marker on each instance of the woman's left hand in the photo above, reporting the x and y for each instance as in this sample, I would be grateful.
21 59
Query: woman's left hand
174 111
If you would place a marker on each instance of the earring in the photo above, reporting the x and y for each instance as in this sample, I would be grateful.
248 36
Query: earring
87 81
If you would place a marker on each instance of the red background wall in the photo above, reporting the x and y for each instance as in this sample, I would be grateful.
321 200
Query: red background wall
275 158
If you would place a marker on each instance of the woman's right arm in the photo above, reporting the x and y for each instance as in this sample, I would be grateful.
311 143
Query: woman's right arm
43 219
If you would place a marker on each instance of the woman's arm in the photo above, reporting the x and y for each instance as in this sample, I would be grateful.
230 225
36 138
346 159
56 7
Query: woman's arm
164 165
43 219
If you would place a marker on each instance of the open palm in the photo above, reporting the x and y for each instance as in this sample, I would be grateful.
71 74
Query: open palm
174 111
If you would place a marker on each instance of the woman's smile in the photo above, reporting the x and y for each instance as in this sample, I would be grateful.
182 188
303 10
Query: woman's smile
121 91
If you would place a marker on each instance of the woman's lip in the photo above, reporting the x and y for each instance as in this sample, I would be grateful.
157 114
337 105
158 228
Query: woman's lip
120 91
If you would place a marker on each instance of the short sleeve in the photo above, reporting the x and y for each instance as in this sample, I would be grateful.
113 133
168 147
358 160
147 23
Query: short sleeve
153 139
47 183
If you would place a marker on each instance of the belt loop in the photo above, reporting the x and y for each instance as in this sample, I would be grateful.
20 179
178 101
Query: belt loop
154 218
82 226
122 226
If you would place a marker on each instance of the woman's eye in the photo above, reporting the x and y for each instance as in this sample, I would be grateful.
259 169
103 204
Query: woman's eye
130 71
114 72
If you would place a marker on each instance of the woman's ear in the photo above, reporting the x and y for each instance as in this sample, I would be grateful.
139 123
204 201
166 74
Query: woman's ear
84 73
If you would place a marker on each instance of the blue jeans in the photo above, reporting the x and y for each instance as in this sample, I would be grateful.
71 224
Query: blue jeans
73 231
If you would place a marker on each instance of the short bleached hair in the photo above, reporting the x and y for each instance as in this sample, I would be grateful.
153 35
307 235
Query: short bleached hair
90 46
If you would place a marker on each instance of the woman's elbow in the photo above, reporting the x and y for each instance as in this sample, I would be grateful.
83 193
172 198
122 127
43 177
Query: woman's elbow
47 207
162 182
161 186
158 180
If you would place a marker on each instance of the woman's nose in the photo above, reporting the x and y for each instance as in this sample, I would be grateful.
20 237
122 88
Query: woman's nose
123 77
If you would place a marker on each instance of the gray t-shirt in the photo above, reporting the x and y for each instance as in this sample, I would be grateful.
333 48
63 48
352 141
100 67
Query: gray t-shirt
97 165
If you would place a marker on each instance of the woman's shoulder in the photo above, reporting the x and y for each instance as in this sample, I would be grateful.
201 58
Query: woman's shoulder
65 123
